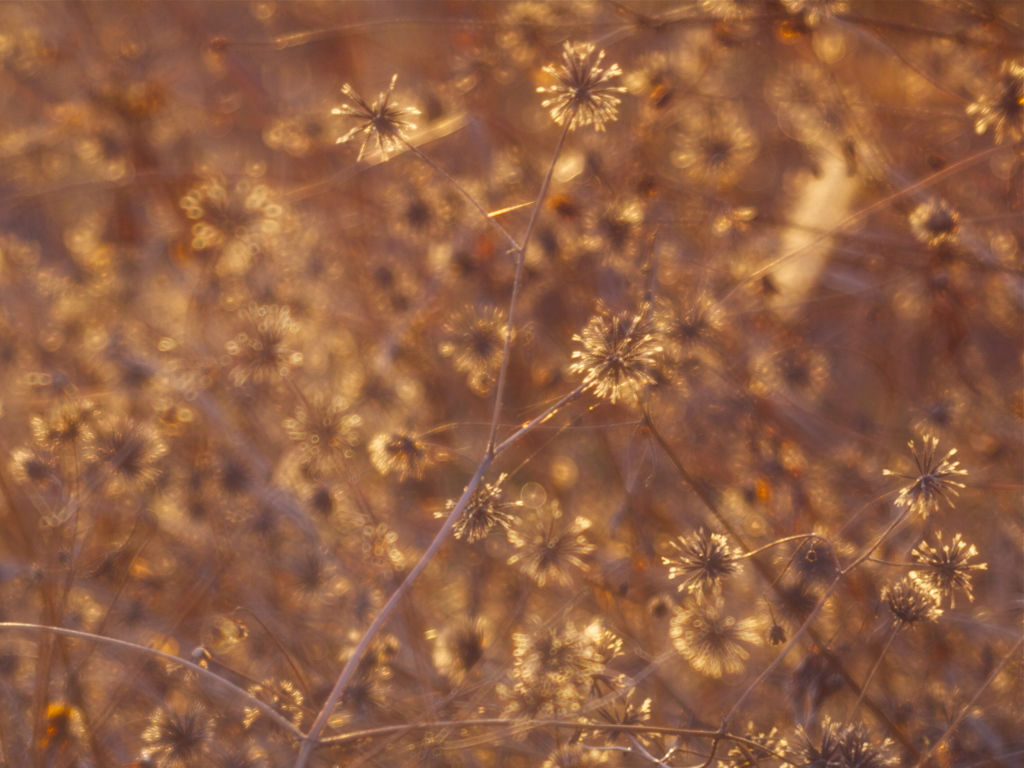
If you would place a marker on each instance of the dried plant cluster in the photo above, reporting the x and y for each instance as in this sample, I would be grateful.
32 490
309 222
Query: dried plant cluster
511 384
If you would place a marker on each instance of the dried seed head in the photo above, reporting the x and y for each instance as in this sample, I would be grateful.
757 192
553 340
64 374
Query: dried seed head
548 548
178 739
911 602
1001 104
382 121
619 353
702 561
945 567
581 94
933 480
709 640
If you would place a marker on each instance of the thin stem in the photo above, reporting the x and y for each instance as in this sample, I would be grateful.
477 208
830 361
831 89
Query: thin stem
517 285
804 628
310 741
970 705
500 722
871 674
251 700
465 193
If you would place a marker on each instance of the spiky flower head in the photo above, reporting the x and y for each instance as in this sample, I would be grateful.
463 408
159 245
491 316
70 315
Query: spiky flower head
619 353
1001 104
702 561
485 512
911 602
709 640
548 547
382 121
581 94
945 567
933 480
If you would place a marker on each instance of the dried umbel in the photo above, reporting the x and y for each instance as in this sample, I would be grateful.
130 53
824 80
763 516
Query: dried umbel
178 739
382 121
933 480
710 641
402 454
264 350
582 95
1001 104
935 223
485 512
550 548
911 602
842 746
702 561
619 354
946 568
476 340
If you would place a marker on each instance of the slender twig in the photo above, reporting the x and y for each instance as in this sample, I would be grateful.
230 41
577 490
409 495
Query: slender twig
969 705
517 284
500 722
311 740
472 200
871 674
206 674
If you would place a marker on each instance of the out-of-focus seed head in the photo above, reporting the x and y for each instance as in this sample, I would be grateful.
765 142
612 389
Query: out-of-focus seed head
911 602
709 640
619 354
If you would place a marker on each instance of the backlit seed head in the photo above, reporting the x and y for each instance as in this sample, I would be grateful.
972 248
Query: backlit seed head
945 568
582 94
709 640
382 121
933 480
619 354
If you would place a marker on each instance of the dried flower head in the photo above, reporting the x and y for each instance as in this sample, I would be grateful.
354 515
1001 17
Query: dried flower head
709 640
460 647
703 561
65 425
233 223
129 452
557 656
476 341
842 746
548 547
264 350
932 482
383 121
911 602
484 513
178 739
715 146
581 94
859 750
282 695
619 353
749 756
402 454
945 567
935 223
36 466
1001 104
324 429
380 547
